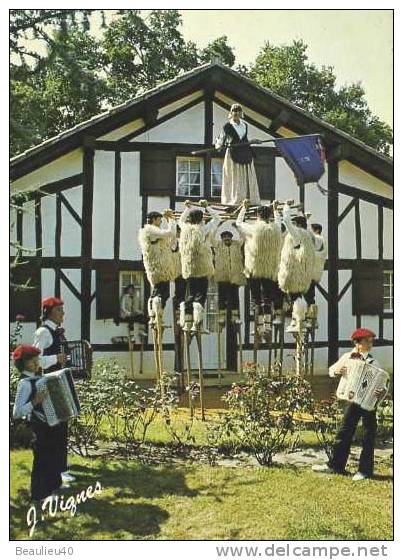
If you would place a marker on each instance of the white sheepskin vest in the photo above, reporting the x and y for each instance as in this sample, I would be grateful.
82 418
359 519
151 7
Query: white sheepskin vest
320 260
177 264
296 264
196 254
228 263
262 251
157 255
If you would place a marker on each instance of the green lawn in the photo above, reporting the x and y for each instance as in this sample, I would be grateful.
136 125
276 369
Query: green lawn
203 502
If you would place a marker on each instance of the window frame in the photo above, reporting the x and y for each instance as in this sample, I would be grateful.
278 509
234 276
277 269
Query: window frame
132 273
221 160
188 159
388 273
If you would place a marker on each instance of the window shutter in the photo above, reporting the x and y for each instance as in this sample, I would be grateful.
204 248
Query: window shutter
264 161
107 293
367 288
158 172
26 302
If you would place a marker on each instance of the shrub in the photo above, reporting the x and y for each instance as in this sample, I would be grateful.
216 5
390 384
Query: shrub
264 410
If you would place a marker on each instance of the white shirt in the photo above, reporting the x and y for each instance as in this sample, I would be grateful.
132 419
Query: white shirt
42 340
210 227
341 362
23 407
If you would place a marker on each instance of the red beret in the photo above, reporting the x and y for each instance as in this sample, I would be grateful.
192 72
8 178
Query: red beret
25 351
52 302
362 333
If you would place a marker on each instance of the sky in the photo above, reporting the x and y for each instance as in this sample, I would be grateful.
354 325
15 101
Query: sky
357 43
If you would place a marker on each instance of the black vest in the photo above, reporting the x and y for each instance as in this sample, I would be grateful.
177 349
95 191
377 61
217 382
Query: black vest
239 154
54 348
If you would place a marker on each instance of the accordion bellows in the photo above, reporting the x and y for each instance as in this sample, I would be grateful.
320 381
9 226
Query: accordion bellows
62 402
360 383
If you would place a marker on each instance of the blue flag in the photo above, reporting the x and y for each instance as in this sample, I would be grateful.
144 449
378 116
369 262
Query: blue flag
305 155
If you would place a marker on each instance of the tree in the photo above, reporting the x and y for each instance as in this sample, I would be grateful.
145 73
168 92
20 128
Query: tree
139 53
218 49
59 93
286 71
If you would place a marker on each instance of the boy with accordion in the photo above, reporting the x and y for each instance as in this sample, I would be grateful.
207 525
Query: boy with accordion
363 340
48 442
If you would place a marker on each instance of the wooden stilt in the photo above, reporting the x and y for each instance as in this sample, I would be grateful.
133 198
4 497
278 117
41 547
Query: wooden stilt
201 376
240 349
130 344
188 338
256 338
219 353
141 365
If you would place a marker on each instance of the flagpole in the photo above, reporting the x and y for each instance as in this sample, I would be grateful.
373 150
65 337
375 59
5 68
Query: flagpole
214 149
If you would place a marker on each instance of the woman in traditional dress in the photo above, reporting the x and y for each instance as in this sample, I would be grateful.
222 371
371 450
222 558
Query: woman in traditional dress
239 180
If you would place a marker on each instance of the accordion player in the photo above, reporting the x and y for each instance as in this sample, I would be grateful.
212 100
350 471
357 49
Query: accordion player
361 382
78 357
61 402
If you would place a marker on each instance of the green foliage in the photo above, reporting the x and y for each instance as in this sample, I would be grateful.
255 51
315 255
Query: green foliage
327 416
286 71
263 412
110 399
77 76
219 49
384 415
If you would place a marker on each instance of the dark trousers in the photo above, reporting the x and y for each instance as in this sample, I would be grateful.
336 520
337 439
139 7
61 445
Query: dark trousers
345 436
161 290
228 296
310 294
50 457
196 292
180 291
265 292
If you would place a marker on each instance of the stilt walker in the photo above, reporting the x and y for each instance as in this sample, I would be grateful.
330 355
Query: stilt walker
263 243
197 267
178 302
312 312
155 242
229 275
295 275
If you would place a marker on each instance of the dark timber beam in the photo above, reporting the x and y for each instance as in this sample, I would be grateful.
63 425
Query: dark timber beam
333 275
86 241
338 153
281 120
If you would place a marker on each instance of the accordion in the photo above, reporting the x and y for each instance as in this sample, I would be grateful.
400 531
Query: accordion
62 402
78 357
360 383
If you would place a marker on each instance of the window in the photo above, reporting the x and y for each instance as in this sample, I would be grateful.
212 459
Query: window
137 279
216 176
388 290
368 288
212 307
189 177
25 292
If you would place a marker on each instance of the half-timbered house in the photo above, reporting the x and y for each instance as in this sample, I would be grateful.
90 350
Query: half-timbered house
92 186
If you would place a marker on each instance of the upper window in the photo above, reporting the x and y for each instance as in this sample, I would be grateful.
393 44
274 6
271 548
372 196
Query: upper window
388 290
189 177
216 176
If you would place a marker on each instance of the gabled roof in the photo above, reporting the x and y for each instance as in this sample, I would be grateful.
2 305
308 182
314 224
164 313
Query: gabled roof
209 77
